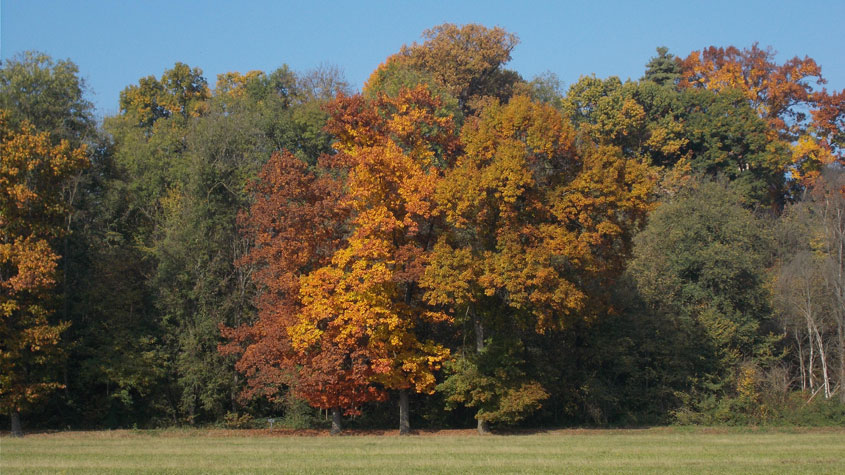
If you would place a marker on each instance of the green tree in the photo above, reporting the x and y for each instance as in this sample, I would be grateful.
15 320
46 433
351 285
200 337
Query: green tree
699 131
185 155
48 94
663 69
702 259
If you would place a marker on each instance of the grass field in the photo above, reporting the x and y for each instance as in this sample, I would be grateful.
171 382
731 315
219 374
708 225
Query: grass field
679 450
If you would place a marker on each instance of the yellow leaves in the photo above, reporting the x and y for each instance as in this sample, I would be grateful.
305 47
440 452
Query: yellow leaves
809 157
34 261
410 364
449 275
536 218
667 139
182 91
32 172
234 83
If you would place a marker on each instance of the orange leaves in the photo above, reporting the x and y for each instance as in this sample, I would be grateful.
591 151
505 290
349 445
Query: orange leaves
772 89
412 120
296 224
829 120
391 146
339 258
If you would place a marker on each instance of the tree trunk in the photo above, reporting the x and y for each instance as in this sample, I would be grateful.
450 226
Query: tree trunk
811 359
404 413
841 333
823 358
483 426
801 361
479 333
16 424
336 428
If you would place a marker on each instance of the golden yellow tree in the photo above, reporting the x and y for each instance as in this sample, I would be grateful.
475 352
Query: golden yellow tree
32 172
539 227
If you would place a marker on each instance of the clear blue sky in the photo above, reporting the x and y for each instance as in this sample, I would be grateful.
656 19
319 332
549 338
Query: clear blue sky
116 42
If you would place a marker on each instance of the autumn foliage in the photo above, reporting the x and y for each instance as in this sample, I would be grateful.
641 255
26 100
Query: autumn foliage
782 94
429 223
455 238
32 174
534 218
295 224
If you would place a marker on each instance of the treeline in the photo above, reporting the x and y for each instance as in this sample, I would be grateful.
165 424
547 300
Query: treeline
454 240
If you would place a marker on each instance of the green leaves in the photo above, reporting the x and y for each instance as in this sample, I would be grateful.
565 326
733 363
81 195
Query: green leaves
703 258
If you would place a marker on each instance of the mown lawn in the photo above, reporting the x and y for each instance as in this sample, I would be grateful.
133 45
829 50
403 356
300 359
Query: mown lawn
678 450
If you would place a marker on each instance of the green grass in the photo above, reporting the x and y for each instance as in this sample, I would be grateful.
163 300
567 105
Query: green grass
680 450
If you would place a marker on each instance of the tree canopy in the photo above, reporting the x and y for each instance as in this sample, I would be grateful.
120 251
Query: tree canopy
456 240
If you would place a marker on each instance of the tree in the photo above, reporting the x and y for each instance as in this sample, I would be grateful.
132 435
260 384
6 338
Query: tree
801 294
108 355
32 172
830 196
467 60
717 134
702 259
780 93
249 116
663 69
47 94
727 139
395 149
182 91
811 279
144 172
185 155
288 200
829 120
546 88
538 226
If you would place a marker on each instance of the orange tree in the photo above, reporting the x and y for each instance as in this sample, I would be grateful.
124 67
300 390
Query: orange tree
32 174
339 250
394 150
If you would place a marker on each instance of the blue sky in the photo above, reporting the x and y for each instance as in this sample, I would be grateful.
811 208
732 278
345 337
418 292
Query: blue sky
116 42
